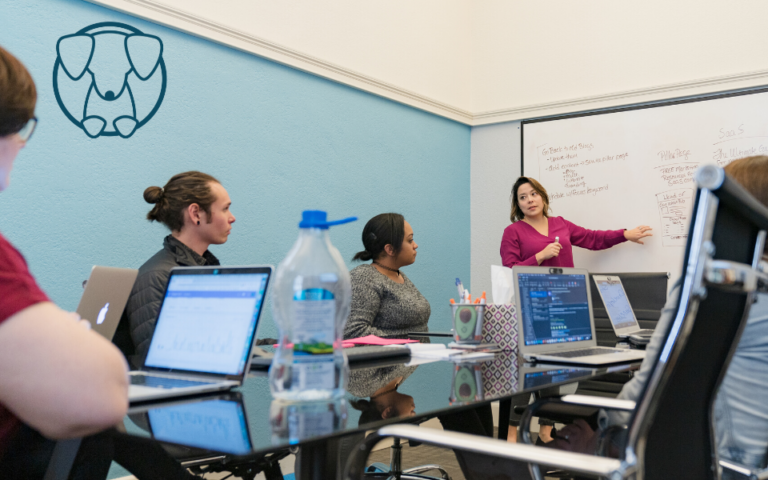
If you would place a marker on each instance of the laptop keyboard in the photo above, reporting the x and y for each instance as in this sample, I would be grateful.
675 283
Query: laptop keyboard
161 382
644 332
585 352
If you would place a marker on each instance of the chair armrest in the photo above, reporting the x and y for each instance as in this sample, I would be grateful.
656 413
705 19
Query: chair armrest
599 402
581 404
573 462
745 472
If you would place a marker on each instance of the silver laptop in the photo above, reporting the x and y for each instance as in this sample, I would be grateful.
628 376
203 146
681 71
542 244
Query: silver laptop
619 310
204 332
554 311
218 423
106 293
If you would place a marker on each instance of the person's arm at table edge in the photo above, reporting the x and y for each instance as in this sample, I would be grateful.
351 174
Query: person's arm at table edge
57 377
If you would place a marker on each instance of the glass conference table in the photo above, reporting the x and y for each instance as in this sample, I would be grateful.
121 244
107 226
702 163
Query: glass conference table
247 424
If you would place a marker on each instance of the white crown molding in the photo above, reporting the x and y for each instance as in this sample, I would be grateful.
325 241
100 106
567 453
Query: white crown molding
155 11
628 97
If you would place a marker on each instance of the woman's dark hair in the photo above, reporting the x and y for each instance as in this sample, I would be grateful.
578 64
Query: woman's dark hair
17 94
381 230
517 214
181 191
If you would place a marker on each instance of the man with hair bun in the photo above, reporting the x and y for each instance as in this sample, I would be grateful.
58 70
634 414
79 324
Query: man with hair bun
196 209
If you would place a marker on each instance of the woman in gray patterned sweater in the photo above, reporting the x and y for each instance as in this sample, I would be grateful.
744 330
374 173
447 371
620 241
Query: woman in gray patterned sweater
384 301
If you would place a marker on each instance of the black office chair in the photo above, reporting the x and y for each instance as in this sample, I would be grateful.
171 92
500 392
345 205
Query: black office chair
735 471
670 434
395 468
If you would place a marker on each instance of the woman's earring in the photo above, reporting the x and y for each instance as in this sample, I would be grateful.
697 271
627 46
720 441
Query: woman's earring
198 222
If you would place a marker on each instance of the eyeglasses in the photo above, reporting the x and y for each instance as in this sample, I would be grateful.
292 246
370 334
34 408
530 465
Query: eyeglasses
27 130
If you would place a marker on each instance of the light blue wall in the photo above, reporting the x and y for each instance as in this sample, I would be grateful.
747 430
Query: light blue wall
280 141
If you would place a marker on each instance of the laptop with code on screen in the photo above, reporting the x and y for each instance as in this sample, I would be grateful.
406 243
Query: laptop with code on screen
555 317
204 332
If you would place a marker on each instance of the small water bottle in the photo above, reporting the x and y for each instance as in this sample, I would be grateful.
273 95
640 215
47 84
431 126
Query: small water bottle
310 301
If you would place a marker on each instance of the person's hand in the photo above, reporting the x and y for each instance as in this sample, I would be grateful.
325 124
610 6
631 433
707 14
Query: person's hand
577 437
76 317
552 250
636 234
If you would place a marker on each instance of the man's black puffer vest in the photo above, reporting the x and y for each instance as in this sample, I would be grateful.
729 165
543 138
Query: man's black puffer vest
141 311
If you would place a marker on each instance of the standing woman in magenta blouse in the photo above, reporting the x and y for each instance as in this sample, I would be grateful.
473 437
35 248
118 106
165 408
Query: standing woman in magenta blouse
532 239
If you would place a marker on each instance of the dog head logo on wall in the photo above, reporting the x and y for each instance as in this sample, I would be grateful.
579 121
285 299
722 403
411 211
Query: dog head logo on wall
109 78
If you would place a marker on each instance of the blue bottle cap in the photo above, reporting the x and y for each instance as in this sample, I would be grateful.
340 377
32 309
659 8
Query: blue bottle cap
319 219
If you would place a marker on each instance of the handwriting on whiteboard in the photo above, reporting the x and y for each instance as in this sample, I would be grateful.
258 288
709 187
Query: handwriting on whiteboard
675 208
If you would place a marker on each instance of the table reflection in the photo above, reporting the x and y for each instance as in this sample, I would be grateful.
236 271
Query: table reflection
219 424
535 376
376 393
293 422
255 423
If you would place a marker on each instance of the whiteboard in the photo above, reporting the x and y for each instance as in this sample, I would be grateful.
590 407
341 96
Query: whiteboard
625 168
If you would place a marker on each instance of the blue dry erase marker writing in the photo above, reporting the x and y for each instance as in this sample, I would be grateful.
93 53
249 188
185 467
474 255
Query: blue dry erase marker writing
460 288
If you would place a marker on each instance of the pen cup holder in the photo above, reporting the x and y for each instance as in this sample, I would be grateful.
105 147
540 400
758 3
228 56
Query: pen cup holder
468 322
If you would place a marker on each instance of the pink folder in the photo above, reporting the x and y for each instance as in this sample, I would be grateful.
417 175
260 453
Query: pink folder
374 340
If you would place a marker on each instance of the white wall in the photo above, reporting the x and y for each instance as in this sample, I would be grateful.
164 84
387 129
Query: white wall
416 53
533 58
495 167
492 61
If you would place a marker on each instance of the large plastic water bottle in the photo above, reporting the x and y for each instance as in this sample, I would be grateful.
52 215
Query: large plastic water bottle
310 300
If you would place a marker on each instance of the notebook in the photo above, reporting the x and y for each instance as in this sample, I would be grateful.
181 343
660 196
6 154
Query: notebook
218 423
555 318
204 332
106 293
619 310
358 357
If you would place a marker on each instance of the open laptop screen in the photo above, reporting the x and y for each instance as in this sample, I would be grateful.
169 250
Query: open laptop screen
616 302
207 322
555 308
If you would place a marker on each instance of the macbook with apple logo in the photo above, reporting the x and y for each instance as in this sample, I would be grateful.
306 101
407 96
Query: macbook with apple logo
106 293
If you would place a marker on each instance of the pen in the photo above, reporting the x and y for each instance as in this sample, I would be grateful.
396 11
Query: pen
557 239
452 302
460 288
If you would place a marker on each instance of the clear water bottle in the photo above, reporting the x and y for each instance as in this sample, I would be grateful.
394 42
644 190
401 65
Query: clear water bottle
310 300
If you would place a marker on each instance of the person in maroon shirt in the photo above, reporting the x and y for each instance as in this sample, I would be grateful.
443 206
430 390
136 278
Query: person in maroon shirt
535 238
56 376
